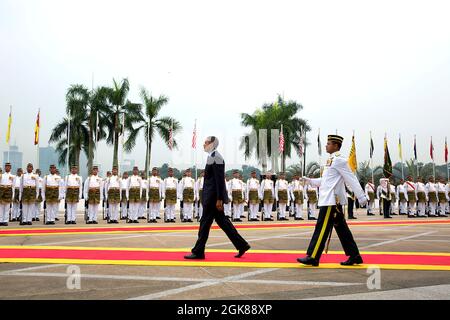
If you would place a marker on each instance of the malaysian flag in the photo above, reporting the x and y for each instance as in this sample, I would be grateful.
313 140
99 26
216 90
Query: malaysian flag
171 136
281 140
194 136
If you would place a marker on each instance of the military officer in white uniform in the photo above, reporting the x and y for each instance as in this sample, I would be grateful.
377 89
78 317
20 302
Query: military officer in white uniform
282 195
252 196
198 194
443 197
411 196
422 198
52 194
113 195
28 195
134 191
73 194
227 206
39 200
93 194
237 196
432 195
298 196
124 196
170 187
187 195
311 198
7 194
16 211
155 195
402 197
332 197
267 196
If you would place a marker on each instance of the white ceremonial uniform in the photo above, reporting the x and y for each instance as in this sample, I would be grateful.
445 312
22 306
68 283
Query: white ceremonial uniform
105 203
253 185
134 181
198 187
282 185
155 182
16 204
6 181
113 182
28 209
411 187
170 183
267 184
73 181
38 205
421 206
237 185
52 181
442 190
370 190
124 202
447 191
402 205
188 207
431 190
143 204
393 196
227 206
296 185
93 182
312 206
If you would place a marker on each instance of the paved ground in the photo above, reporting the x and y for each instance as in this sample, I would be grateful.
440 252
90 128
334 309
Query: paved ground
421 271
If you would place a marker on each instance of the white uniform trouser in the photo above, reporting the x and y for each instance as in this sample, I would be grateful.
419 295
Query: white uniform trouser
282 208
133 212
50 211
15 210
227 209
299 210
370 206
170 211
92 212
253 210
442 208
447 207
188 209
154 209
200 211
114 211
124 209
403 207
142 209
421 209
37 210
411 208
268 210
432 207
28 210
4 212
312 210
72 211
237 210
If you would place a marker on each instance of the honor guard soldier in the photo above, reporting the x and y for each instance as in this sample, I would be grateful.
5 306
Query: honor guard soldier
39 200
244 188
331 198
134 195
384 194
393 197
422 198
105 203
7 194
370 195
312 198
52 194
155 195
253 196
198 193
170 187
227 206
237 196
282 195
298 196
28 195
187 195
142 212
113 195
432 195
350 202
124 195
268 194
73 194
16 206
93 194
402 197
443 197
410 190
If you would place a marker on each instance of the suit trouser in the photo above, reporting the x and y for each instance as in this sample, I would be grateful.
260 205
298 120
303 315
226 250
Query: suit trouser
72 211
386 207
37 210
299 210
142 208
350 207
411 208
4 212
124 209
51 210
330 216
209 215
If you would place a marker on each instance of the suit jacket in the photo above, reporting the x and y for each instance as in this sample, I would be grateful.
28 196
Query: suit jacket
214 182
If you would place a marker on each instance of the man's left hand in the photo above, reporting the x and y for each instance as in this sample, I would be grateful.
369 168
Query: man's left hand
219 205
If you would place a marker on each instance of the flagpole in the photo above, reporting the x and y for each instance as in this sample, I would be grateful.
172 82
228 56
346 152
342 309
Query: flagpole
302 148
401 153
415 156
282 153
446 159
432 157
320 157
38 138
68 143
195 150
123 140
9 137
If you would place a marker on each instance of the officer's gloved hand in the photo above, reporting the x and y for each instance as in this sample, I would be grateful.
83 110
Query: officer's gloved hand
362 201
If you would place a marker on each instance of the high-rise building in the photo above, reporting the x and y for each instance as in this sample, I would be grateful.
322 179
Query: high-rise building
14 156
127 165
48 156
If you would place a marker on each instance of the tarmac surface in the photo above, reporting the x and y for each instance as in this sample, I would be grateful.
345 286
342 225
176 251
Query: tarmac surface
404 259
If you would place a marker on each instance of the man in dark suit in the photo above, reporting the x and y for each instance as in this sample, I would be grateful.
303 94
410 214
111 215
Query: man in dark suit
213 198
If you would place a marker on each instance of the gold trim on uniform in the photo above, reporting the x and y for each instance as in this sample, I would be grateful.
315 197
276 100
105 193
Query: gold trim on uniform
282 196
188 195
312 196
29 194
94 196
268 196
114 195
237 196
73 194
52 194
171 196
253 196
6 194
134 194
298 197
154 195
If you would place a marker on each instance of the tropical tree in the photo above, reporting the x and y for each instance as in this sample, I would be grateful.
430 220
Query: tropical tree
149 122
262 121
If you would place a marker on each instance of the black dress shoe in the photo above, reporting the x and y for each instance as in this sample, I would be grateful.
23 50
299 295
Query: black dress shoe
389 217
29 223
308 261
94 222
312 218
242 251
22 223
352 218
193 256
159 218
298 218
352 261
56 219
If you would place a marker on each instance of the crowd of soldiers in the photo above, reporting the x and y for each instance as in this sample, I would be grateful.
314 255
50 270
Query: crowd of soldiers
134 197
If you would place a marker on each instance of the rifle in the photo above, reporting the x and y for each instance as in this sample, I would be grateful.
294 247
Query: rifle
103 207
65 212
86 207
10 212
45 212
147 206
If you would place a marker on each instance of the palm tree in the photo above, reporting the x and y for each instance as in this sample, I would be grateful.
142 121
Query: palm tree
115 105
312 170
273 116
149 123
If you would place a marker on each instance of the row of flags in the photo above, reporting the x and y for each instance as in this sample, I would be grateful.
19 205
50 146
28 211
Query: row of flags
37 127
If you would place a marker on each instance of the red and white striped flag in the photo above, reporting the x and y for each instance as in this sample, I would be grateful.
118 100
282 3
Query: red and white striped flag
171 136
194 136
281 140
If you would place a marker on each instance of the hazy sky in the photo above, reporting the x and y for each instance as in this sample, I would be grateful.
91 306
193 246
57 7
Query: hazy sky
382 66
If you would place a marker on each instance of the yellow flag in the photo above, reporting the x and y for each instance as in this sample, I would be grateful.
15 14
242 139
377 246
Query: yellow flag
8 132
353 164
